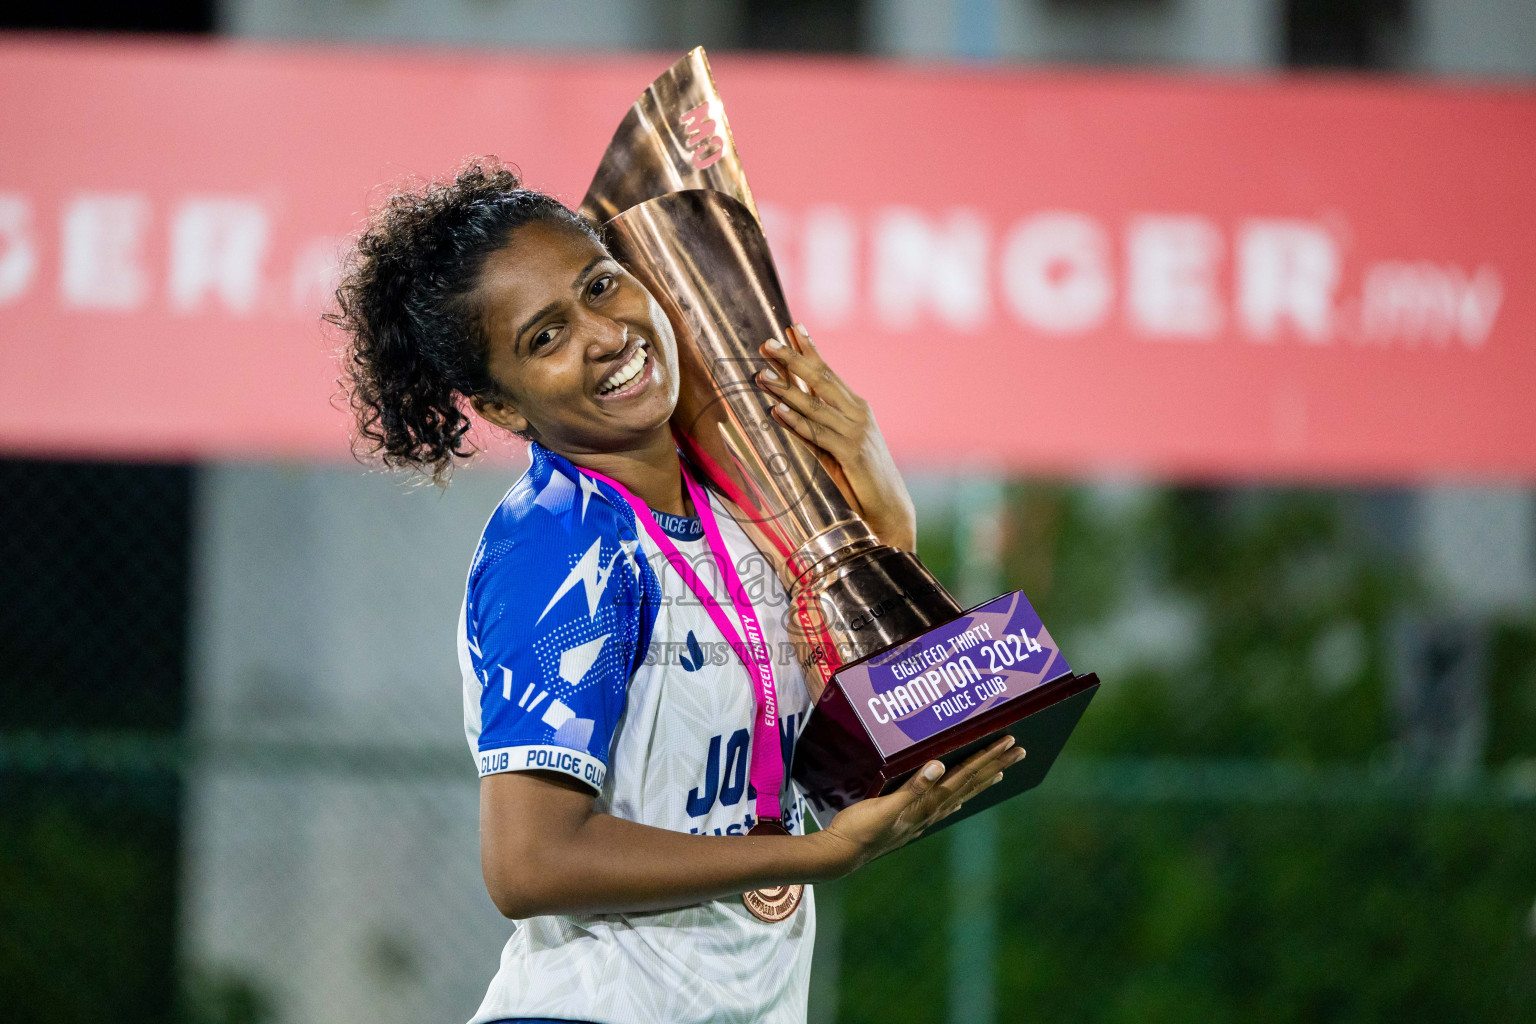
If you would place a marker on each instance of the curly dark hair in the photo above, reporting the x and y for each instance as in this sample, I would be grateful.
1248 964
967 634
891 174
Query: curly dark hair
416 348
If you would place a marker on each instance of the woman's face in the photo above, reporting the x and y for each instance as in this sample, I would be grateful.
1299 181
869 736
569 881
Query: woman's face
583 353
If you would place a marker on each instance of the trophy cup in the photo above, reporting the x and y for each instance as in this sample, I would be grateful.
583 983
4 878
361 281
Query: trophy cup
899 673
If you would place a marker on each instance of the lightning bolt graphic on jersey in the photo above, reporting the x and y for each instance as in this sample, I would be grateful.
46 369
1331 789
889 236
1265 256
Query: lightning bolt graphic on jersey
591 574
588 488
627 548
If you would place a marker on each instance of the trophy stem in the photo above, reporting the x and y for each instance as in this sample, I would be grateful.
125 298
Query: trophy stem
853 606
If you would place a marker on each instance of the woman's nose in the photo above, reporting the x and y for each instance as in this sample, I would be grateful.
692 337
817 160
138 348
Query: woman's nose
608 338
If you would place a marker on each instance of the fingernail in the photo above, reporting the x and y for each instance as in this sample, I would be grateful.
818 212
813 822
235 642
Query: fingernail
1008 741
781 407
996 779
775 345
933 771
800 330
771 377
1018 755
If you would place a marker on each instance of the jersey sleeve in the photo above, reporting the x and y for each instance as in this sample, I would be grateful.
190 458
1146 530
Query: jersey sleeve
557 618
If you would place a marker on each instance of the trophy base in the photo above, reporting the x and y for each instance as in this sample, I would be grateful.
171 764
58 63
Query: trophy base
1041 728
942 696
1041 734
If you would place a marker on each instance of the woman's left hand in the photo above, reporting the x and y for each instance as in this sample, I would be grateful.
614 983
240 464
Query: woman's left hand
834 419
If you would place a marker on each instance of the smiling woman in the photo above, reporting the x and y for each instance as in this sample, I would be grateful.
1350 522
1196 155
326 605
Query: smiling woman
636 819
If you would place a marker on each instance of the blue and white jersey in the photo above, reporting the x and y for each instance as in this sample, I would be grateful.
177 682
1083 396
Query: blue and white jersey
583 652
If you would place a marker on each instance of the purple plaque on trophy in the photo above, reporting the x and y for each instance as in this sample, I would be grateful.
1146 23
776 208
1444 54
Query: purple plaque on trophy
944 694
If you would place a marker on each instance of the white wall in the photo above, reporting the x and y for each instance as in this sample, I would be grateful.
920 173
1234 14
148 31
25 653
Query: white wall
1206 33
1480 38
331 853
520 24
1477 545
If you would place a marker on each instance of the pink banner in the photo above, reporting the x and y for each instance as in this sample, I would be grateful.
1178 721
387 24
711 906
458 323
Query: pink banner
1049 272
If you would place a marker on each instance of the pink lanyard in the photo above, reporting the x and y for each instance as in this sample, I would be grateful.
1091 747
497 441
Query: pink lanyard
767 762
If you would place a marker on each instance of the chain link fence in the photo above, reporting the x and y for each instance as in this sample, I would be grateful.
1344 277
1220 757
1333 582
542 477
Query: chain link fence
233 786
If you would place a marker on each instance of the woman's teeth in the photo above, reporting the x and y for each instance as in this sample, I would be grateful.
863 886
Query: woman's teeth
625 374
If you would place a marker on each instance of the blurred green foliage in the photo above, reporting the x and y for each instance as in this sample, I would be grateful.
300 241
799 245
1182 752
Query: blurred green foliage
1251 624
1512 694
87 898
1217 914
1237 623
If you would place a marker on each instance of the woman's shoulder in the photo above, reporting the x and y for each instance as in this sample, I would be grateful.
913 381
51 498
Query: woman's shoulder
552 519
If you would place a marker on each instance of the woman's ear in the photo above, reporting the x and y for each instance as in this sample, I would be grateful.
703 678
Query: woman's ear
500 412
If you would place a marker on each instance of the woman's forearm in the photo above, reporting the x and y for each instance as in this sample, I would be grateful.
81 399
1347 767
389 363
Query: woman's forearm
610 865
576 861
544 850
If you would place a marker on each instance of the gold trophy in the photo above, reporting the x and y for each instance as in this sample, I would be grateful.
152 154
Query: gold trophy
898 671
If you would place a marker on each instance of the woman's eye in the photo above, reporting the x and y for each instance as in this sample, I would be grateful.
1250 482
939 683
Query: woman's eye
543 338
601 285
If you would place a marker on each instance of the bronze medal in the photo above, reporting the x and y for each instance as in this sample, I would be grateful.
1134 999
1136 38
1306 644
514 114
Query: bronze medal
780 901
773 905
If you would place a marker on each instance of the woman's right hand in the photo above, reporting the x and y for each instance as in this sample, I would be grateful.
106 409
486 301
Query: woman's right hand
876 826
